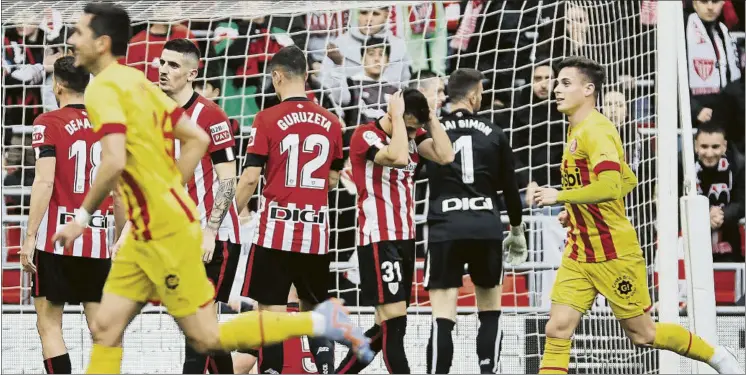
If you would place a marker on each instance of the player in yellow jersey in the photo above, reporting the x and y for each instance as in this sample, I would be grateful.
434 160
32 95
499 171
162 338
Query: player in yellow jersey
602 254
161 259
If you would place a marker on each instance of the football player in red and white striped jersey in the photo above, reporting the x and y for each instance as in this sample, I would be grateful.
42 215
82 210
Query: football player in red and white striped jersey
213 186
384 155
67 155
298 144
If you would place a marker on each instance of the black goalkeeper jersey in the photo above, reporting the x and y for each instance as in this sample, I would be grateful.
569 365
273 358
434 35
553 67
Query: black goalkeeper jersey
464 194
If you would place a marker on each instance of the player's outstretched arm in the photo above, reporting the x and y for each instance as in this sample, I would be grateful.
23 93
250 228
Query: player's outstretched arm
194 142
41 194
438 147
247 185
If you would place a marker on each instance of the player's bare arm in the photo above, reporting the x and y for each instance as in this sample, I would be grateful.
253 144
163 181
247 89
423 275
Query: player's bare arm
224 195
396 153
41 194
438 147
247 185
194 142
113 161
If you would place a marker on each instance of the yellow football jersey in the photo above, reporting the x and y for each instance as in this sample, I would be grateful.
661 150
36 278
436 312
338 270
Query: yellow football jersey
598 232
121 100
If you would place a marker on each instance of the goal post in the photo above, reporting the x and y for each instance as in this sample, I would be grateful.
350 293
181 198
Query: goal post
509 42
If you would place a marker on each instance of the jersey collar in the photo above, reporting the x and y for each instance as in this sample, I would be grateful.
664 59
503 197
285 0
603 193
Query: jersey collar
191 101
297 99
77 106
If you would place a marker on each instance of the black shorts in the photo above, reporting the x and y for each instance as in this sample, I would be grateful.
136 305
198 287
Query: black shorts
68 279
386 271
222 269
444 266
270 273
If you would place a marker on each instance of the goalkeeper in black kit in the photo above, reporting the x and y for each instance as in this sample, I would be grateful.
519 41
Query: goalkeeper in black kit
465 227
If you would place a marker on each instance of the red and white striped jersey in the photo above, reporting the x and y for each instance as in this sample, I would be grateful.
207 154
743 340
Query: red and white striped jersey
67 135
203 186
300 142
385 195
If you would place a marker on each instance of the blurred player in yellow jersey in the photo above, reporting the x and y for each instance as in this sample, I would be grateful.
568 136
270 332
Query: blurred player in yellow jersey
161 257
602 254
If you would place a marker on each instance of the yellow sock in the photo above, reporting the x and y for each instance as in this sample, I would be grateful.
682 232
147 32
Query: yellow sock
677 339
556 356
105 360
256 328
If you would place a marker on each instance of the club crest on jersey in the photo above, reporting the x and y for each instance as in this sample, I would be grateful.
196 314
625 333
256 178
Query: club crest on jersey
573 146
252 136
172 281
221 133
38 136
297 215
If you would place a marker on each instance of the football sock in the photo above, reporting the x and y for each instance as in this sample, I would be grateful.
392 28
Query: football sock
58 365
105 360
394 355
259 328
194 362
489 340
271 359
556 356
350 364
323 354
440 346
220 363
677 339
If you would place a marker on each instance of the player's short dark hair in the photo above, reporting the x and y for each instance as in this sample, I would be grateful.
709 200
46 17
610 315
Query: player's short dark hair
415 104
291 60
183 46
592 70
710 127
462 82
376 42
72 77
113 21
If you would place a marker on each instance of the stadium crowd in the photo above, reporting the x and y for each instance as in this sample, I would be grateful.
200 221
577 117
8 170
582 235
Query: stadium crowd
358 58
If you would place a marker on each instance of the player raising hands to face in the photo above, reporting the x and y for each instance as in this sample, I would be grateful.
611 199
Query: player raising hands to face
602 254
161 257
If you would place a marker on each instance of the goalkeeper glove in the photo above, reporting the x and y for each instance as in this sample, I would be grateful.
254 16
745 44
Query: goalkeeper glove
514 246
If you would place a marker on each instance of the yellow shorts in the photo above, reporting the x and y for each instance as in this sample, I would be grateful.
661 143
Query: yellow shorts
622 281
167 270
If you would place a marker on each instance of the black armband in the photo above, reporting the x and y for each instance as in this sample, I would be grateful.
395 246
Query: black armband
45 151
372 152
223 156
338 165
420 138
255 160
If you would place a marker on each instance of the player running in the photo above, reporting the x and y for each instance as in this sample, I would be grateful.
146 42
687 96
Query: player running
299 145
67 156
602 254
212 188
161 257
384 155
464 225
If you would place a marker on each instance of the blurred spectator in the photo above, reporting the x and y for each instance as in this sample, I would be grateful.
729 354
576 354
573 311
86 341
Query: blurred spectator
366 95
144 50
20 159
432 86
243 47
344 55
615 108
23 66
717 91
538 132
322 28
423 28
720 177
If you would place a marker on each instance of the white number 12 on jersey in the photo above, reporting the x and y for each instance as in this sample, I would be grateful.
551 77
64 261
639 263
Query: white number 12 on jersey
463 145
290 144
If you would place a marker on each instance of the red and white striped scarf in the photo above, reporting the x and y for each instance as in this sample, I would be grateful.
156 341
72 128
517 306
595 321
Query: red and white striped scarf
465 31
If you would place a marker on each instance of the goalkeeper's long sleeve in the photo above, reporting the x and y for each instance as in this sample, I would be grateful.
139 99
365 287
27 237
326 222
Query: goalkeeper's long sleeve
607 188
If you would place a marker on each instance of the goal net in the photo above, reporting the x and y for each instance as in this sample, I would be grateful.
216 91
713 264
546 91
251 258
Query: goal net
514 43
